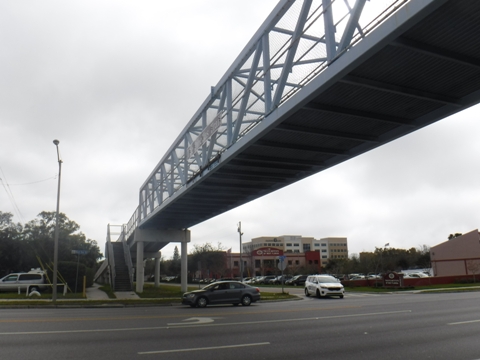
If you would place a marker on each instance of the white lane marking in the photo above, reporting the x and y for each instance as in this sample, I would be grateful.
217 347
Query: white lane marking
464 322
206 325
195 321
201 349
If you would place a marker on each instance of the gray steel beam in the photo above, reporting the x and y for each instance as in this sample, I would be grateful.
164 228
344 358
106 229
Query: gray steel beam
322 132
277 160
436 52
399 90
300 147
359 114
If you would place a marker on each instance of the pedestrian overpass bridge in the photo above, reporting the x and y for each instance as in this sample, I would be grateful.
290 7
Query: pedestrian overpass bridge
320 82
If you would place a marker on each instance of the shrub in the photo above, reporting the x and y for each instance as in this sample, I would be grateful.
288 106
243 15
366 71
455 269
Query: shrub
463 281
67 271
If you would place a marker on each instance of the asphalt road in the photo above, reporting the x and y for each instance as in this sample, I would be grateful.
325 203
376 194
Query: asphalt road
405 326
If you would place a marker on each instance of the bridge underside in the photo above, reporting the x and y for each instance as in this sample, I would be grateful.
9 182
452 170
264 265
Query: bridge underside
421 73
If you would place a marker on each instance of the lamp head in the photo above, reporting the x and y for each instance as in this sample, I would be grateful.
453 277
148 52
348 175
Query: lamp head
56 142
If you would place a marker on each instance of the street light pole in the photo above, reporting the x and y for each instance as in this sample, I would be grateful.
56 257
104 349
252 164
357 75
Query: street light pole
241 260
57 220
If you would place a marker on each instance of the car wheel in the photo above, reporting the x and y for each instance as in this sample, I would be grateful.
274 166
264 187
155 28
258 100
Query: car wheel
202 302
318 294
306 292
246 300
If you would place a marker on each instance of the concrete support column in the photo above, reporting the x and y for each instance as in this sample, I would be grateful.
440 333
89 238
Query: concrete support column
184 264
140 269
157 271
163 237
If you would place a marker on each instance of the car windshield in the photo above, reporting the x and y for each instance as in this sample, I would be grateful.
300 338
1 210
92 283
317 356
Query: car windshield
10 278
327 279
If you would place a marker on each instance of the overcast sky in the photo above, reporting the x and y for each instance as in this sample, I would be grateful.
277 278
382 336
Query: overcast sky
117 81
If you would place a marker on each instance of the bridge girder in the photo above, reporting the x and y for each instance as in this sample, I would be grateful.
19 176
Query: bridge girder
314 87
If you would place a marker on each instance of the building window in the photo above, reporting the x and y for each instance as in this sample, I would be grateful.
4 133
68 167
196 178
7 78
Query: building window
296 251
235 263
324 256
297 262
257 263
324 244
324 251
289 262
315 262
296 245
306 247
317 245
289 244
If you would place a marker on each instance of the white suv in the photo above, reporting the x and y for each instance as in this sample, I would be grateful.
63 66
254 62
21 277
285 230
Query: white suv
323 285
33 279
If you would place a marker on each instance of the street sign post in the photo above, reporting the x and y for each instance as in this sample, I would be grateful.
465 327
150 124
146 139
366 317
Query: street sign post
78 253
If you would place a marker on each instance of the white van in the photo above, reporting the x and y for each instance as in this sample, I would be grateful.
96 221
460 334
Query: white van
14 281
323 285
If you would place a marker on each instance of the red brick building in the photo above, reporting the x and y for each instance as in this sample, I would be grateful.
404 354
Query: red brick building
264 261
458 256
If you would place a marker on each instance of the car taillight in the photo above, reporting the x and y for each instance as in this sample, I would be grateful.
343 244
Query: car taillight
258 290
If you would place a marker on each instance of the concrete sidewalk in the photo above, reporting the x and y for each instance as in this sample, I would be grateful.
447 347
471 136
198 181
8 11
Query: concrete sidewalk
94 293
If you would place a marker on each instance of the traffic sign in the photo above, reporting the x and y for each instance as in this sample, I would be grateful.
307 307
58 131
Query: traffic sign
79 252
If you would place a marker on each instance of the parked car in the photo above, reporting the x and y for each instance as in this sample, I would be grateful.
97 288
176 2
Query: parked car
323 285
298 280
278 279
359 277
272 281
222 292
356 276
266 279
257 279
415 275
33 280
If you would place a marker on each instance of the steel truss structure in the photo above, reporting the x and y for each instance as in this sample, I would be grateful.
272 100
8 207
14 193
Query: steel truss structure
296 43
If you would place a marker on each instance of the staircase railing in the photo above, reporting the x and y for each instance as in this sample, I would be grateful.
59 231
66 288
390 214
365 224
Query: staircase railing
126 253
111 259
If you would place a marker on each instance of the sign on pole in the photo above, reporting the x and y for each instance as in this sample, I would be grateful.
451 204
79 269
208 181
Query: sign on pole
79 252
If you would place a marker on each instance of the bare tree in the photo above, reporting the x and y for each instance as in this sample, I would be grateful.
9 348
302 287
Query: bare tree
473 266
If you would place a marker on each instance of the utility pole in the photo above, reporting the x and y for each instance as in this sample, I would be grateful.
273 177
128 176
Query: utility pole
57 221
239 229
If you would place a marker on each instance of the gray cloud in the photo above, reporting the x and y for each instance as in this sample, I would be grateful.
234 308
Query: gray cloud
117 81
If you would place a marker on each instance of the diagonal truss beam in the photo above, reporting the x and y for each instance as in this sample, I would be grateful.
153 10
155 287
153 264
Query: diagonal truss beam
296 43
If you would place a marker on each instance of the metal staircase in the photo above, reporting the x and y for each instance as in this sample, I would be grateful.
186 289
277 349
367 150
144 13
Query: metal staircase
117 269
122 277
